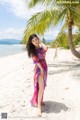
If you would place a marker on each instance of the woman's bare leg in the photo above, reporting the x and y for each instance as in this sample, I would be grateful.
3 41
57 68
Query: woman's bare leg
42 102
40 93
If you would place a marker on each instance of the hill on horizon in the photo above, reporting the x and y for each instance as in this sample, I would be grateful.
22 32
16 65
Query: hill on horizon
10 41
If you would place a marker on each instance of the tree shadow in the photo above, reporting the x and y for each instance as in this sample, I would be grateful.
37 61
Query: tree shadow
62 64
54 107
63 67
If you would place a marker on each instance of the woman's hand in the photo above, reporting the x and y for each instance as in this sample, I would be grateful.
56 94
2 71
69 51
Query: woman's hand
45 47
39 41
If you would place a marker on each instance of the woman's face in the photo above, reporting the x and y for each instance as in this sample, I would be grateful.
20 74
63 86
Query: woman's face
35 41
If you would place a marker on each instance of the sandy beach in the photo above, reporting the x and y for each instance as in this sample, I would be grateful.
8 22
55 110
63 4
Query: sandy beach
62 94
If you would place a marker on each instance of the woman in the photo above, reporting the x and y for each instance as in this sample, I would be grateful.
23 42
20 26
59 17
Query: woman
37 51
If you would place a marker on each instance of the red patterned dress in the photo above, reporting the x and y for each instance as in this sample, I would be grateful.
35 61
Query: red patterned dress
40 58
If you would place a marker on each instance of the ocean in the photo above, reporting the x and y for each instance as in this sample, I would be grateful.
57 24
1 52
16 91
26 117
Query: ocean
6 50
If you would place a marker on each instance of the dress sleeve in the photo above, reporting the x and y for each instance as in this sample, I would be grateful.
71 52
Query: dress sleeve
35 59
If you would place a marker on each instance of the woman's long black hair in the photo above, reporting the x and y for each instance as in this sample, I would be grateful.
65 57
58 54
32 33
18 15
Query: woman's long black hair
30 47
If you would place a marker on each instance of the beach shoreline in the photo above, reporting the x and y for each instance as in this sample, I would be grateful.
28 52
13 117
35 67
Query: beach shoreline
11 49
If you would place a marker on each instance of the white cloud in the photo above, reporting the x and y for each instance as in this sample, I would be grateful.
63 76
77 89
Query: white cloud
51 34
11 33
20 8
75 29
18 34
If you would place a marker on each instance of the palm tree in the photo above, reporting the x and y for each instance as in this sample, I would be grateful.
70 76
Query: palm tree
54 13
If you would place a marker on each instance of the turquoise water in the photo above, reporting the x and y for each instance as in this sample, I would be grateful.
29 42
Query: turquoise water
6 50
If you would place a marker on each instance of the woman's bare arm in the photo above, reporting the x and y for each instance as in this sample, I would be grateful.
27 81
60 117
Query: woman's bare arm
45 47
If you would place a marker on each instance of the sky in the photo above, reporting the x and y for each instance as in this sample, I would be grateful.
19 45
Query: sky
14 15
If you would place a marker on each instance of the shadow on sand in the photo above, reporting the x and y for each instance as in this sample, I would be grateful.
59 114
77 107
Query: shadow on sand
64 67
54 107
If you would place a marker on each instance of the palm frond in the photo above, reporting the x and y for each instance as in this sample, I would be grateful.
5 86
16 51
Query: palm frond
52 15
33 3
60 16
40 22
75 13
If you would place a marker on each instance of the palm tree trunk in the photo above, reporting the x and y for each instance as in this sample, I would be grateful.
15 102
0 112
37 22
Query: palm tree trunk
74 52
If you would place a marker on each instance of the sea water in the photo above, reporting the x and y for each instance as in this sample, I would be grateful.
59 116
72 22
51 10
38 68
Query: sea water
6 50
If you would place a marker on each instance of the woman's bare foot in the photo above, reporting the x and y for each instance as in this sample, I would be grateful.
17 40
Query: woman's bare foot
34 105
39 111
